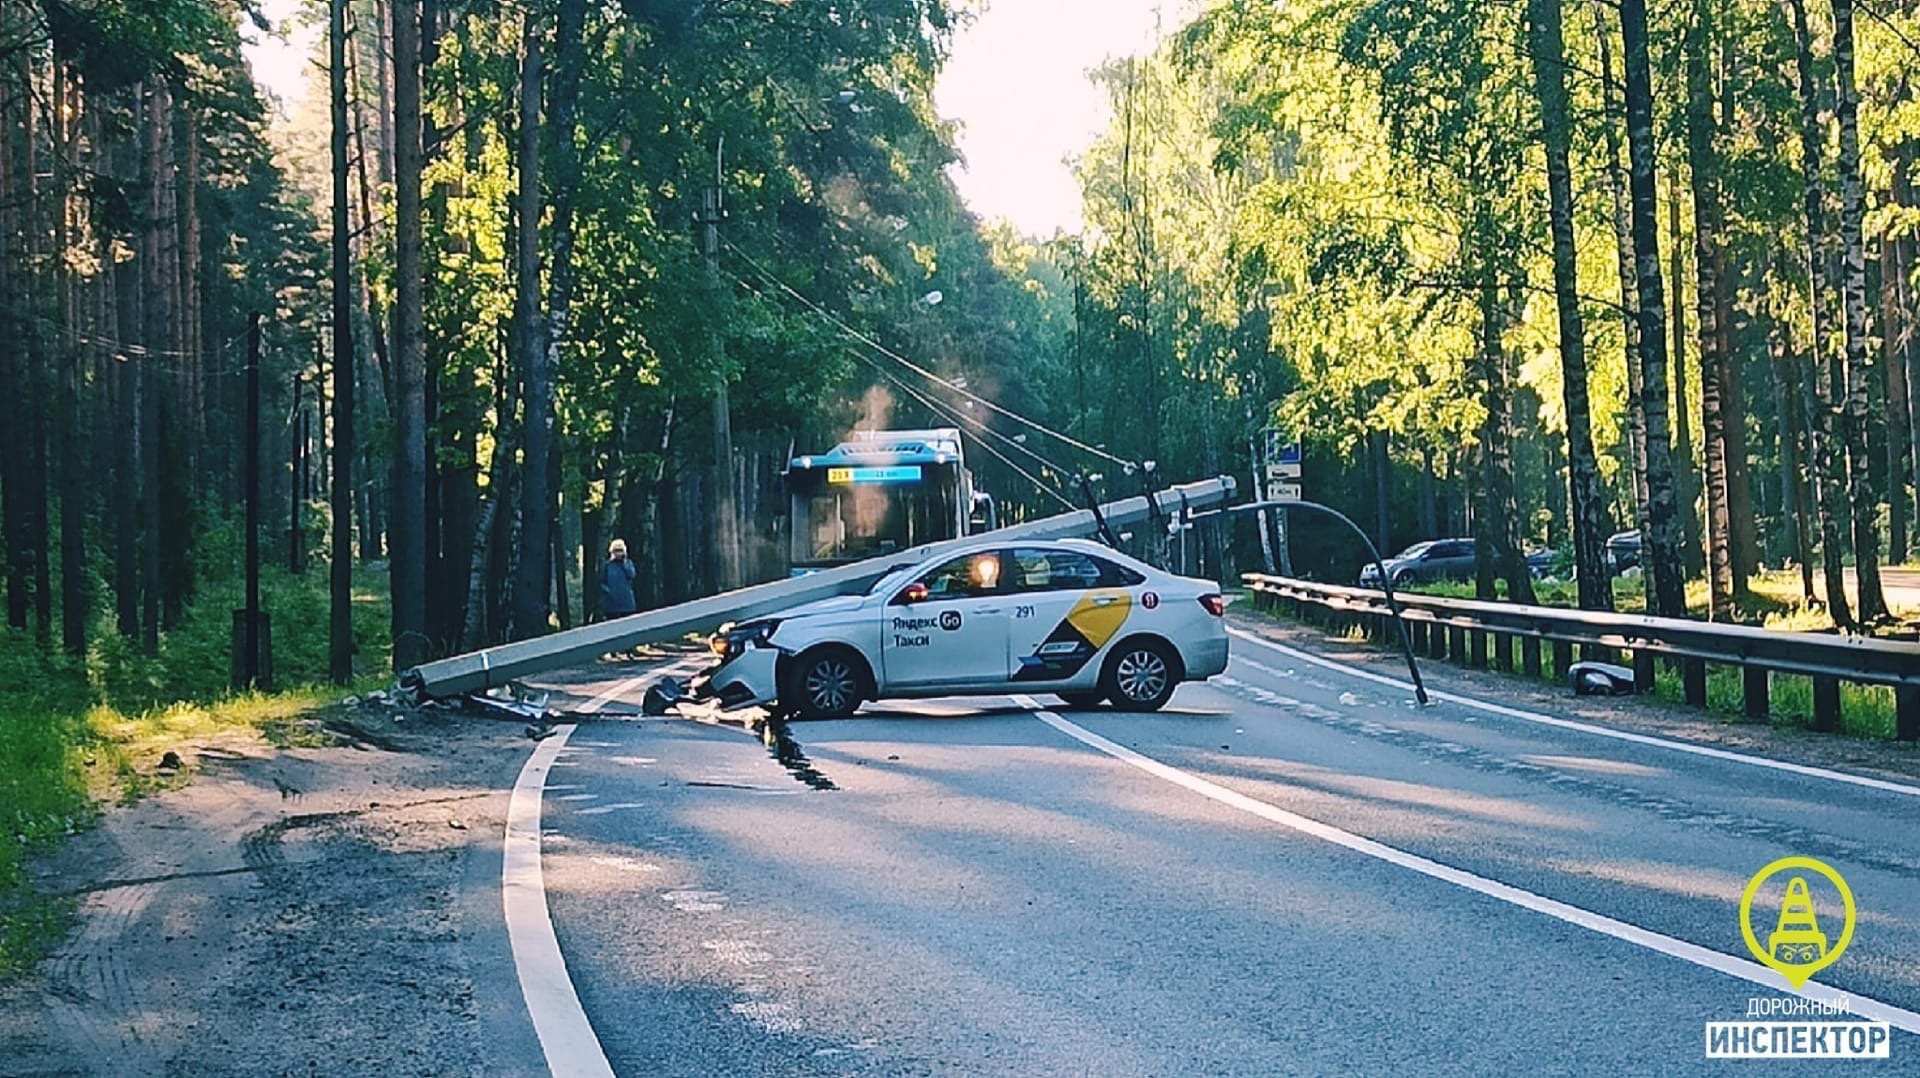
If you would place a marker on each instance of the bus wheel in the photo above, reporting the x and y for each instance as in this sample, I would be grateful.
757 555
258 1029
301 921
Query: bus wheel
826 683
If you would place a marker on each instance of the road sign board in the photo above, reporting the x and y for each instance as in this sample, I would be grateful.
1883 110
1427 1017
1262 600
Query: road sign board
1281 491
1283 469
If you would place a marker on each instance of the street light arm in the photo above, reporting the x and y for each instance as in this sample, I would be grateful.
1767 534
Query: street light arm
1393 605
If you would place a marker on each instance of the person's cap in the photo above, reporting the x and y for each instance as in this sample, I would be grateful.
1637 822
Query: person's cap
618 546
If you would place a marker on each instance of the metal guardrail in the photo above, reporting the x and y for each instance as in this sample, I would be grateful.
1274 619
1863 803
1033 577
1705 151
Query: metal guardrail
1461 630
490 667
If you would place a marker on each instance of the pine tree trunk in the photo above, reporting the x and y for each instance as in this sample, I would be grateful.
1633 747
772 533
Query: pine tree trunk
1590 518
345 358
1629 301
13 436
1496 531
33 400
1686 480
1894 369
1793 499
156 255
1705 174
531 578
1742 525
1667 596
411 642
1866 502
76 486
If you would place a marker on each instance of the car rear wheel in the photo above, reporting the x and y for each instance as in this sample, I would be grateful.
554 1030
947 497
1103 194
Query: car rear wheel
827 683
1140 676
1404 579
1082 700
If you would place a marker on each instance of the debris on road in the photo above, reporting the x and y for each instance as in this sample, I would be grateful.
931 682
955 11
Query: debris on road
1600 679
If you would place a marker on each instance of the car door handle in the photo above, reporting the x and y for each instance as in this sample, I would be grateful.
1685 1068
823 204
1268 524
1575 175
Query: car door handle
989 610
1103 600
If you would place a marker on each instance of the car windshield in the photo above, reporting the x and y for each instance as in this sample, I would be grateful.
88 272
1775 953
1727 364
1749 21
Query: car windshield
896 576
1414 551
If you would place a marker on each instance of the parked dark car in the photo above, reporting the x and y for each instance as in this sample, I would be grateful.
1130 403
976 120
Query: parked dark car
1424 563
1545 564
1623 550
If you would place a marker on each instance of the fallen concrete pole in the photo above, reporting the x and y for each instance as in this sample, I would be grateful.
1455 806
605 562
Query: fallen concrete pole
489 667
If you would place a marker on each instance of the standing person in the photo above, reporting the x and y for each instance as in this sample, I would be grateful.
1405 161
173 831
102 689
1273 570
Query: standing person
616 583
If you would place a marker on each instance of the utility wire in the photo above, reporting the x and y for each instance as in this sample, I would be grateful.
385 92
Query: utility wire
963 419
919 370
959 419
940 409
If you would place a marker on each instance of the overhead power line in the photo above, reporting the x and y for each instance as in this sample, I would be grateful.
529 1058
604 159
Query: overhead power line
918 369
960 420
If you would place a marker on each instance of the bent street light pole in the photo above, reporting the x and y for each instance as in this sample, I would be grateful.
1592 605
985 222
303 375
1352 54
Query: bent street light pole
1393 605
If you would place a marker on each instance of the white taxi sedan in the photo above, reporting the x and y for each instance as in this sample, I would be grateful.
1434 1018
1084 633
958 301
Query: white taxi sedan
1066 617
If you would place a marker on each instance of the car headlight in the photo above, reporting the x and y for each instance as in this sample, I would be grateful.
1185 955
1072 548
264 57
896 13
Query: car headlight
733 639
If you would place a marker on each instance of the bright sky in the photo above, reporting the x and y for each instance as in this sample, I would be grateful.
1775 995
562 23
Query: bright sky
1017 83
279 61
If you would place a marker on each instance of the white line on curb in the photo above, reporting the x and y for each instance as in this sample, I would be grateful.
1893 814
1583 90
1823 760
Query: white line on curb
1582 727
1677 948
565 1034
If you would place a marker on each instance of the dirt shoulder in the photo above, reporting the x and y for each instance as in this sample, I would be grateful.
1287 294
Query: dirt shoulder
1894 761
328 909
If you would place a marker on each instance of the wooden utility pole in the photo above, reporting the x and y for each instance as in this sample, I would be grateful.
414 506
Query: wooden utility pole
726 532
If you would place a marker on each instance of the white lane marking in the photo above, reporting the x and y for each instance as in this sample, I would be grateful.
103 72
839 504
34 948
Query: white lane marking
565 1034
1570 724
1574 915
619 689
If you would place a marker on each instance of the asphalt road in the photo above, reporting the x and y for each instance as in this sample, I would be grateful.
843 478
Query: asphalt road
985 890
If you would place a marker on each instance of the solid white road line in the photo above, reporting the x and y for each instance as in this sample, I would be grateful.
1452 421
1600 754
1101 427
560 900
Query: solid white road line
619 689
565 1035
1607 926
1570 724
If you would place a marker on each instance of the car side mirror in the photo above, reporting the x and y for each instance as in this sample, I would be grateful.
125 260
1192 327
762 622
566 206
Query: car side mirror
915 592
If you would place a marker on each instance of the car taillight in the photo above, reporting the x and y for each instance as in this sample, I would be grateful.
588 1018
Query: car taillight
1216 604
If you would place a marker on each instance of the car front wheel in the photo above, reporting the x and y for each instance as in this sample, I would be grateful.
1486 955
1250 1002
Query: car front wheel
823 684
1140 676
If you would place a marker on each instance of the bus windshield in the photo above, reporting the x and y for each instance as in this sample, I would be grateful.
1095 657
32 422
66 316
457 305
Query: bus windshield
848 523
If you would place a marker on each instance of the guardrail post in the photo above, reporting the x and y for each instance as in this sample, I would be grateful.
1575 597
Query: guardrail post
1754 684
1503 652
1906 721
1530 655
1693 677
1457 643
1479 649
1643 679
1826 704
1562 658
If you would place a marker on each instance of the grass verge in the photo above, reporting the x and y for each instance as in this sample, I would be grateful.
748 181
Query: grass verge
77 734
